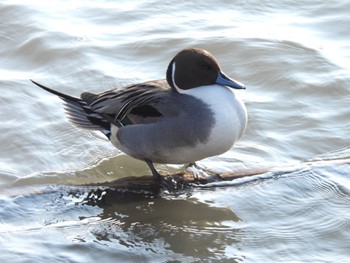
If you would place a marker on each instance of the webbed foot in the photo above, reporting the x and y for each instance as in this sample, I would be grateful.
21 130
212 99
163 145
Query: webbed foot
169 182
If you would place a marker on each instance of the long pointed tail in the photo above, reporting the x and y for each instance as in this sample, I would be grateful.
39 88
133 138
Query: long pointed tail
80 113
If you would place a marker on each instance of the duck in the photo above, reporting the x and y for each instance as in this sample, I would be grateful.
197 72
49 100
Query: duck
195 113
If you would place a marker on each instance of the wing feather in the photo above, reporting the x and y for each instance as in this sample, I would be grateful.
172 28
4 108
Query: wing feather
122 102
98 111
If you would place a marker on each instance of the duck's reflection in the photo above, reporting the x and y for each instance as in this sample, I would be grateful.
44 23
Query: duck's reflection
171 226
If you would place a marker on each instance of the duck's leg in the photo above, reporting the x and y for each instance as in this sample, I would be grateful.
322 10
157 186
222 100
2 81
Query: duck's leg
155 173
168 182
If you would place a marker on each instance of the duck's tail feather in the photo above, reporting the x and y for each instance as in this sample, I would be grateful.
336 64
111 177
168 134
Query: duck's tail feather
80 113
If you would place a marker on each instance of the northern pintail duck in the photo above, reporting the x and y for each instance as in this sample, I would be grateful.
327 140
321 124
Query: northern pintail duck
191 115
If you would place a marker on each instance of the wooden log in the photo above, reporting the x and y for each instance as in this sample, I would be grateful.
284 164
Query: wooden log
127 187
187 179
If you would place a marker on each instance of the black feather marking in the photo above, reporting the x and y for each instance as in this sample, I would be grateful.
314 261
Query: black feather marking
146 111
130 98
59 94
81 114
112 120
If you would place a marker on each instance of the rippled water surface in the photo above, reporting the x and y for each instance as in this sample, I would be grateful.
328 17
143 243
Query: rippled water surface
294 58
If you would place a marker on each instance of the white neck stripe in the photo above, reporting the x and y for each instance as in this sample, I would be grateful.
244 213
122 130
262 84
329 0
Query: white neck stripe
173 78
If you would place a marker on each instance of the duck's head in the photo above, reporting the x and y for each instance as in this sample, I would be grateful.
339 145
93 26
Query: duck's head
196 67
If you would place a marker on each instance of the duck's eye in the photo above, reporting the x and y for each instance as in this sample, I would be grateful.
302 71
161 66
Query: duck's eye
207 66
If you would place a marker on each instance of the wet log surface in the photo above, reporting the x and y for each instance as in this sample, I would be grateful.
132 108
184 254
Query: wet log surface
189 179
184 182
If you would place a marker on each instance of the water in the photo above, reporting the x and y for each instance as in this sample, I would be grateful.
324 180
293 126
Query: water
294 58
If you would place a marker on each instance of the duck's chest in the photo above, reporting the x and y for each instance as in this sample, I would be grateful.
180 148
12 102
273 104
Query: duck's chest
229 116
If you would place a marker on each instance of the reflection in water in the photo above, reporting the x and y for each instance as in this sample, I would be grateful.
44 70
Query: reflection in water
131 223
138 221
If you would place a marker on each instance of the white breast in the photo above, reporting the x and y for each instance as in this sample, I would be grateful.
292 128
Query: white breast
230 116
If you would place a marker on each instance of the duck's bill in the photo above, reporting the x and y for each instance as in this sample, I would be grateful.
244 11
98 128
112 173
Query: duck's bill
223 79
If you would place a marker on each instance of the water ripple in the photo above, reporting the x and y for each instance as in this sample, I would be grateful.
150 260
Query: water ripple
306 211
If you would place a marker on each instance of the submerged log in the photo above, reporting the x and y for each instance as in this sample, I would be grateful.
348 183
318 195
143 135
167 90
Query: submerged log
127 187
187 178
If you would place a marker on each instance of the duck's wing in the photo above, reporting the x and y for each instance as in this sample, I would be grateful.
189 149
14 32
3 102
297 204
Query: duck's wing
135 103
138 99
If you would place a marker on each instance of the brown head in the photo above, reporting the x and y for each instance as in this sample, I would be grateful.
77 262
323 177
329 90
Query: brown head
196 67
